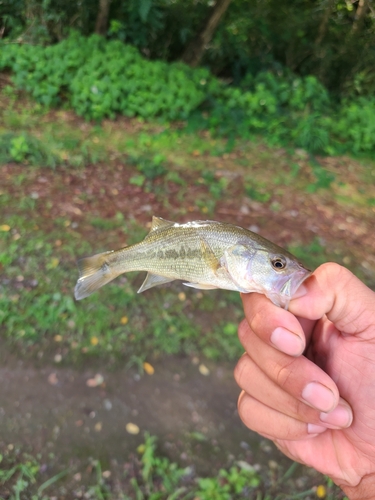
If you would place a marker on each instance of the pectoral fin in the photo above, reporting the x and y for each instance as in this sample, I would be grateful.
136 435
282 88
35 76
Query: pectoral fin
153 280
209 257
200 286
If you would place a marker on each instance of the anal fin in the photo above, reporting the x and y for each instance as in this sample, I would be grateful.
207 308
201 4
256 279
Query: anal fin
200 286
153 280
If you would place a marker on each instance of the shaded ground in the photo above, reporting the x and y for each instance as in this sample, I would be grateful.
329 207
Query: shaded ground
53 414
55 410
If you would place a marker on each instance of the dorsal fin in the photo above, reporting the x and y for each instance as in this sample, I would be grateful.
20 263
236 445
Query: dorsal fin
158 222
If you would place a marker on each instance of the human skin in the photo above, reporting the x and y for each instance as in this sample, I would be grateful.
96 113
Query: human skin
308 376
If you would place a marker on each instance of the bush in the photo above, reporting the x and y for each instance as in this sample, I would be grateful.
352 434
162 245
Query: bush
355 126
100 79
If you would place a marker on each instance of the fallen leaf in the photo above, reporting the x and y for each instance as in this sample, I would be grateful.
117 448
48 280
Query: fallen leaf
149 369
54 262
52 379
132 428
203 370
94 382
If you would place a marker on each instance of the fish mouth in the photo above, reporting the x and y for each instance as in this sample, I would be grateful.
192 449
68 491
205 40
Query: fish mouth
291 286
303 275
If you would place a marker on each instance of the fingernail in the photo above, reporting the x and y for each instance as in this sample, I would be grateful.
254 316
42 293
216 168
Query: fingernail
287 341
318 396
340 417
315 429
300 292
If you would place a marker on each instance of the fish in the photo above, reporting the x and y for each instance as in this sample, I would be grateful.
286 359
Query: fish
204 255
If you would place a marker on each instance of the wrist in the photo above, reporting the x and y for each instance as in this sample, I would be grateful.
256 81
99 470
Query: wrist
365 490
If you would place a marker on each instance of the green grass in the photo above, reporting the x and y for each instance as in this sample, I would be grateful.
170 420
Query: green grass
150 476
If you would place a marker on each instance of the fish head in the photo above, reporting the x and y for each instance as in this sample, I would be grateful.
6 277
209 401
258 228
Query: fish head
275 274
278 275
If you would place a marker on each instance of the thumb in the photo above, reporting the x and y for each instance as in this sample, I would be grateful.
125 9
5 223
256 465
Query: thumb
334 291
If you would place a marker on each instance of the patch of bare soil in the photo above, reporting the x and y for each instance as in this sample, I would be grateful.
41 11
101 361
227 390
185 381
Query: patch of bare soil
54 410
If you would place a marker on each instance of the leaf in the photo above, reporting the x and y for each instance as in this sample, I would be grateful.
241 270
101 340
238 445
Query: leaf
144 9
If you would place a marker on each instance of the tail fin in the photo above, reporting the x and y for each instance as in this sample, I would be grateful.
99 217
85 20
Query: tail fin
94 272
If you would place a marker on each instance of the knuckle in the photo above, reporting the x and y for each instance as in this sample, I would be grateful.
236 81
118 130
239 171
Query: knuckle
335 272
240 370
301 411
283 375
243 330
243 409
257 320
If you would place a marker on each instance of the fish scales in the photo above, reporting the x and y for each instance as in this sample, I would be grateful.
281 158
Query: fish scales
206 254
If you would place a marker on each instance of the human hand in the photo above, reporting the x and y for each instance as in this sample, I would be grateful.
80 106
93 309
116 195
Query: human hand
318 408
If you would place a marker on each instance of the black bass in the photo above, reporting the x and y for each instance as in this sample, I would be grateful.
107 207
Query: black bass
204 254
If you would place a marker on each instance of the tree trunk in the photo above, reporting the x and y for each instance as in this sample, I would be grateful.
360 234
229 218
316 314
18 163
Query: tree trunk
360 14
194 51
323 27
102 19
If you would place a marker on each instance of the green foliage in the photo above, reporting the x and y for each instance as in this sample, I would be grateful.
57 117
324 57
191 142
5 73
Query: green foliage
153 477
281 106
257 194
312 255
356 125
24 148
150 167
234 483
327 39
323 178
158 470
100 79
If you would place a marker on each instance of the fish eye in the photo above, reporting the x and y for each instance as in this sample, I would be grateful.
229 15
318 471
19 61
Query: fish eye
278 263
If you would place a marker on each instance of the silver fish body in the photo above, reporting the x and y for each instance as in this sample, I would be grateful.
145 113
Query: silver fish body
204 254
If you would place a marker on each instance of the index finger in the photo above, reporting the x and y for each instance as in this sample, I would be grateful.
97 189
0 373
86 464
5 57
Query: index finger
275 325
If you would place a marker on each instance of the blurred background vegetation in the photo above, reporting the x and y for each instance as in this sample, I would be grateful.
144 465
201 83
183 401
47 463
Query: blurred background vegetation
299 72
259 113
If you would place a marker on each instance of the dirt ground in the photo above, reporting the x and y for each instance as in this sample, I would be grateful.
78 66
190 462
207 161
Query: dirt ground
54 410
